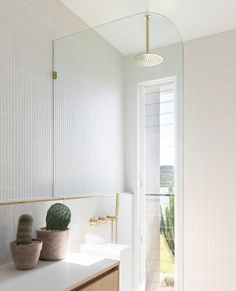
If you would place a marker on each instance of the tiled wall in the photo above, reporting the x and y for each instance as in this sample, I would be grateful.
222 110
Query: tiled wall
27 31
88 110
210 160
210 163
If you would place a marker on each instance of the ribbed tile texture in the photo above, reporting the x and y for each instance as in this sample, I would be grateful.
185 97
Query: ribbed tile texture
88 106
27 31
210 163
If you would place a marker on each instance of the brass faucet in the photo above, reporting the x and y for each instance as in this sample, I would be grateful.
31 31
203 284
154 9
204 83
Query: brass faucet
104 219
115 218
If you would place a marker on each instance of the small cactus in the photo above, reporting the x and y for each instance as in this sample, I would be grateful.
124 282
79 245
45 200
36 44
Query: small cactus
24 230
58 217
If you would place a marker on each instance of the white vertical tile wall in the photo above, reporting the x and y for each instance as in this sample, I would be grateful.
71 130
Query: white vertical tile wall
88 110
210 163
27 31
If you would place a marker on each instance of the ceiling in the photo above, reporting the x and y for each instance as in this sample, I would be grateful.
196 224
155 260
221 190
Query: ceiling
193 18
129 34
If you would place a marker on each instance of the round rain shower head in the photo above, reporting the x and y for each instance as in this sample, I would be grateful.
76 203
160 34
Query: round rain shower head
147 59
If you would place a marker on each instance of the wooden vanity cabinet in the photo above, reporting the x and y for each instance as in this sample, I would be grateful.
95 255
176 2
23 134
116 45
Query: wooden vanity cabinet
108 281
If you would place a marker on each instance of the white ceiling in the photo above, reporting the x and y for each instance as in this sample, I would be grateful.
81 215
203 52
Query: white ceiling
129 34
193 18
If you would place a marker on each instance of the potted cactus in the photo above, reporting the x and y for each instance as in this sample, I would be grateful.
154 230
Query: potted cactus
55 235
25 251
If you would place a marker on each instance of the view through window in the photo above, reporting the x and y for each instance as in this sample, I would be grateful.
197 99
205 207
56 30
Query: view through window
159 171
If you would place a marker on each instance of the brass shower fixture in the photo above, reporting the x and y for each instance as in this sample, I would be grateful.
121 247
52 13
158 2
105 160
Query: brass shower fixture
113 218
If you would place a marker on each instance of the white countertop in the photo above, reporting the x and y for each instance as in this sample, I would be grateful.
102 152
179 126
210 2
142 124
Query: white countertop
55 276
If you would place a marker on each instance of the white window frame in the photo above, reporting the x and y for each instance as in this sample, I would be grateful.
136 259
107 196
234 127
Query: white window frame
139 211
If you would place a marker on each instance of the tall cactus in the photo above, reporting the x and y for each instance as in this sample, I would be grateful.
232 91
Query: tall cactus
167 225
24 230
58 217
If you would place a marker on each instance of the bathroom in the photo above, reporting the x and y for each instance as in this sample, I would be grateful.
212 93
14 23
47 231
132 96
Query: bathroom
88 125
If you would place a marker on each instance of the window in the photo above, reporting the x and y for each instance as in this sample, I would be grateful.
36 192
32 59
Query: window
159 186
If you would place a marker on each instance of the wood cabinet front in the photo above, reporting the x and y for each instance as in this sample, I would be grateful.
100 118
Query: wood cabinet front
108 281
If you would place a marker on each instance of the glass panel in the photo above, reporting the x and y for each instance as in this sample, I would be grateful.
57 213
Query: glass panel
98 104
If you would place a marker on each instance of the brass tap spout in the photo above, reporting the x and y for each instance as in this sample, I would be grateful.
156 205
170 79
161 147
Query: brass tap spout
112 218
93 221
102 219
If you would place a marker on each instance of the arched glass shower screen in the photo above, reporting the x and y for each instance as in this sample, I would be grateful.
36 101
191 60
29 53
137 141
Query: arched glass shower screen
97 125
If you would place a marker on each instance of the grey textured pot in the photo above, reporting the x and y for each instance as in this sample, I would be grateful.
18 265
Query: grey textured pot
26 257
55 244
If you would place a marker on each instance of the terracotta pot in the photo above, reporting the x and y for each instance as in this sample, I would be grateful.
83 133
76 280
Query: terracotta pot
26 257
55 244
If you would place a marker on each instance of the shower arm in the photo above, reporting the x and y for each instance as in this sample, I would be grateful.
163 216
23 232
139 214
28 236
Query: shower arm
147 18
